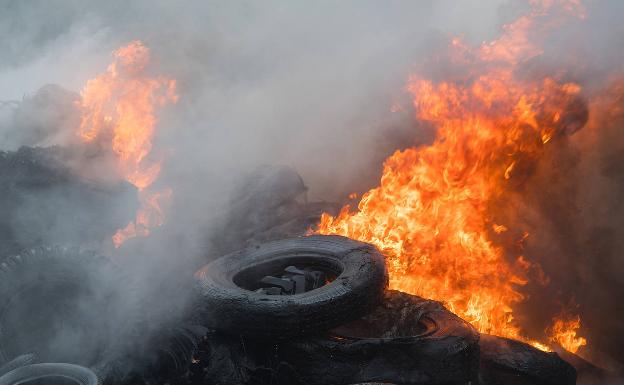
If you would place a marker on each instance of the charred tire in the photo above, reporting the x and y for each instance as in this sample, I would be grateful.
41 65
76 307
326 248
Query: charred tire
64 304
78 375
441 349
360 281
509 362
420 342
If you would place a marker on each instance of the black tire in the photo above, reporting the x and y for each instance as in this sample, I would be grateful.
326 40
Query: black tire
65 305
406 340
361 278
509 362
78 375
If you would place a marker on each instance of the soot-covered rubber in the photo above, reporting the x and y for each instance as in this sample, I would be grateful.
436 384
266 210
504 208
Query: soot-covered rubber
228 303
509 362
406 340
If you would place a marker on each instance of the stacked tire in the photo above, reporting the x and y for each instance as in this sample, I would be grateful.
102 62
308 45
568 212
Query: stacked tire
330 335
348 329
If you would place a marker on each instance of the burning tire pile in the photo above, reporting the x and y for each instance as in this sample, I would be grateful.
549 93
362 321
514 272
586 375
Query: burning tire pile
345 329
290 292
303 310
391 337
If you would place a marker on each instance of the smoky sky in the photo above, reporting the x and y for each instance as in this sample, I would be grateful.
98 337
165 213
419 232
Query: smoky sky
309 84
306 84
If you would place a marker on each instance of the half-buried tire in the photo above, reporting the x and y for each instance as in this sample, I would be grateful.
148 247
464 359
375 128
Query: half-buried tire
231 300
406 340
509 362
50 373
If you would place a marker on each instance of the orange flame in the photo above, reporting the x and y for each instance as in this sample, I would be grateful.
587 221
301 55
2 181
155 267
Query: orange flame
563 332
431 214
119 106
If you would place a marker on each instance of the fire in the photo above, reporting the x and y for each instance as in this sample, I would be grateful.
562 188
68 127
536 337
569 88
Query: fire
432 212
563 332
149 216
119 112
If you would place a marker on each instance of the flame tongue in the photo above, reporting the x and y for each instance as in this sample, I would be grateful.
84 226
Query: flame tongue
431 214
119 106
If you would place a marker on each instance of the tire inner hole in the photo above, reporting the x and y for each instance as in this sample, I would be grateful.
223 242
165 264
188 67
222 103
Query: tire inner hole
289 275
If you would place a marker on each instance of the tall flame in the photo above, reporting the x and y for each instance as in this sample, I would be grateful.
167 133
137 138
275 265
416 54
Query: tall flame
431 214
119 108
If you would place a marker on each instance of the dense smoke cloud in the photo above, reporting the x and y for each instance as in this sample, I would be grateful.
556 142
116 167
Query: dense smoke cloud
297 83
307 85
311 85
570 206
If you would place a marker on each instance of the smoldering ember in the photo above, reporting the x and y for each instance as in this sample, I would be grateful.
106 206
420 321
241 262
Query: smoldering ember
319 193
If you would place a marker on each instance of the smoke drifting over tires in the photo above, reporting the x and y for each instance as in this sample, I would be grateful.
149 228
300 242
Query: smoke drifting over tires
312 85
